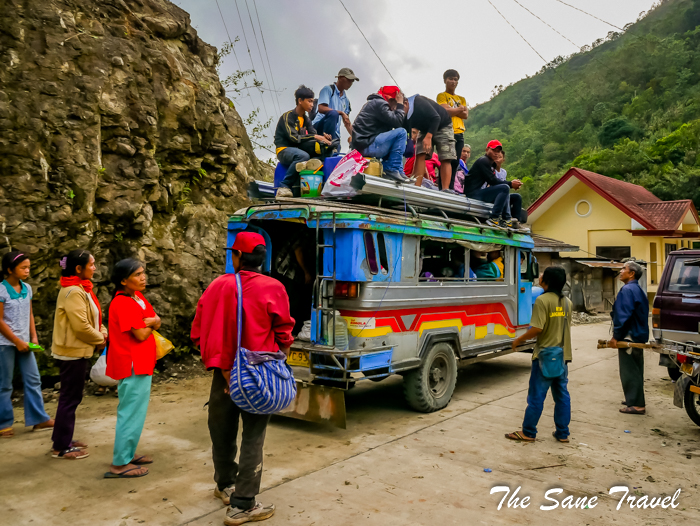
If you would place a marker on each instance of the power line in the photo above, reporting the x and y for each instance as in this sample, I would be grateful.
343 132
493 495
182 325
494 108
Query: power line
257 44
267 116
268 56
592 16
545 23
370 45
228 35
518 32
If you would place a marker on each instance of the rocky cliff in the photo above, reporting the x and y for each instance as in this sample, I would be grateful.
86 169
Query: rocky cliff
116 135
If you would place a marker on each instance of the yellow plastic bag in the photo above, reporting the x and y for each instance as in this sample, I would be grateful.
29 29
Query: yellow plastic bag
163 345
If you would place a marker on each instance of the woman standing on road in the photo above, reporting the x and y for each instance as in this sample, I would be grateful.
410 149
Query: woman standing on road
77 333
17 330
131 359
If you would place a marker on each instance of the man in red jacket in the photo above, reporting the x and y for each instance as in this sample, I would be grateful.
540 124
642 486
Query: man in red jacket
267 328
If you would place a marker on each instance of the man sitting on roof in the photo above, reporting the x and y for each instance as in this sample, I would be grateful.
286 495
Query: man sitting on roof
497 192
296 140
378 131
334 106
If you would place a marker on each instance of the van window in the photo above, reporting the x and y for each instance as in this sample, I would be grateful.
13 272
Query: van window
442 261
684 278
383 259
371 253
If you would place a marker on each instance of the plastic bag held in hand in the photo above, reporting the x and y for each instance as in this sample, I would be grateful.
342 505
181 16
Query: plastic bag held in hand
338 184
98 373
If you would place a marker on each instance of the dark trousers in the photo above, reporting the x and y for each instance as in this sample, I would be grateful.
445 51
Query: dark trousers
498 195
290 157
73 374
328 124
223 429
515 206
632 376
459 145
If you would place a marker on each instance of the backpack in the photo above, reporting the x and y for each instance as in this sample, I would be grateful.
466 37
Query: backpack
314 110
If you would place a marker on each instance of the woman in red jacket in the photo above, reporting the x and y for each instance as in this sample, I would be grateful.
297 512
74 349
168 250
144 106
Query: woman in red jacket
131 358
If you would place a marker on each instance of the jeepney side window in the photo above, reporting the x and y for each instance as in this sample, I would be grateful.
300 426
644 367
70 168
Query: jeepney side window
383 258
371 253
528 266
442 261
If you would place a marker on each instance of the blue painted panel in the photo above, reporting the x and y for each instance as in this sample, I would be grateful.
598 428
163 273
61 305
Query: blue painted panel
375 360
351 256
233 230
524 295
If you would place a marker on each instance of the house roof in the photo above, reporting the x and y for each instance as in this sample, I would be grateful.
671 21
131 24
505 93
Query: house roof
547 244
634 200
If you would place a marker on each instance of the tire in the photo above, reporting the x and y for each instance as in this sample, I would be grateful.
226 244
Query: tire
674 373
430 387
691 404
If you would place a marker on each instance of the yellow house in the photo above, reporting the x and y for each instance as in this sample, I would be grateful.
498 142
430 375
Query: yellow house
612 219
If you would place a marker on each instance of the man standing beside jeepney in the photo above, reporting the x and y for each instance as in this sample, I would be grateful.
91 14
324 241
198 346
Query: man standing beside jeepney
267 327
630 317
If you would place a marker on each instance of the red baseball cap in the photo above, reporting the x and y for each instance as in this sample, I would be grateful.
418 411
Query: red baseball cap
389 92
494 144
247 241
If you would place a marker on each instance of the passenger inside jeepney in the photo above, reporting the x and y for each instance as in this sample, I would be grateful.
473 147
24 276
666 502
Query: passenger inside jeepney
482 267
441 260
496 258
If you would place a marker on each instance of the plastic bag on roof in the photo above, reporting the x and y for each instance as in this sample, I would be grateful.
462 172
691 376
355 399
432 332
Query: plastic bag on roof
338 184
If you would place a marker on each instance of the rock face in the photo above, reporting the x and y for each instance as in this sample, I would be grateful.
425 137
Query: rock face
116 136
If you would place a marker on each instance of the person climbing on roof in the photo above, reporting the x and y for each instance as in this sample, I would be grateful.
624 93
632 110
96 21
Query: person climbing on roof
435 128
334 106
497 192
378 131
297 141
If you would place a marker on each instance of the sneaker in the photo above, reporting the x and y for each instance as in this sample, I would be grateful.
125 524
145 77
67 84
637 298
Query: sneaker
503 223
311 165
509 223
395 176
493 221
235 516
224 494
283 191
448 191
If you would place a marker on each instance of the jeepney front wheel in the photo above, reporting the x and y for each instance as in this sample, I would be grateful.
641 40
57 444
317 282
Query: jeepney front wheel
429 387
691 403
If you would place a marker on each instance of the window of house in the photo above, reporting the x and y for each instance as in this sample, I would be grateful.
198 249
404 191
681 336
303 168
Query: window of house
615 253
669 247
696 245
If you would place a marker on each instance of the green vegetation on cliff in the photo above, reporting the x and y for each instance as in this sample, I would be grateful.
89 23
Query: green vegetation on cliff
628 108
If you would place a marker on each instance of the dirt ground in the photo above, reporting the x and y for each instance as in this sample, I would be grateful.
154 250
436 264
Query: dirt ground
391 466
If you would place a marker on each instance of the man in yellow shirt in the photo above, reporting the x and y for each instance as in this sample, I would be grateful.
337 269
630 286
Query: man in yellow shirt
456 107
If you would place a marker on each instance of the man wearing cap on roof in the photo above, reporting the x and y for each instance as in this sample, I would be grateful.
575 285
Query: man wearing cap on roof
497 192
267 328
378 131
334 106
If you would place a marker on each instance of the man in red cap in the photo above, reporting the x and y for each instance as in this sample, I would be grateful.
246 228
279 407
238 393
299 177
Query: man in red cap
378 131
267 328
497 192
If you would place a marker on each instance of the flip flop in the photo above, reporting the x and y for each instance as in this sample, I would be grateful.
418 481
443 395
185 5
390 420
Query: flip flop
123 474
632 411
62 454
562 440
7 433
139 462
519 437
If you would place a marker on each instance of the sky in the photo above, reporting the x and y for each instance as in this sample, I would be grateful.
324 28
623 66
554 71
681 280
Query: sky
308 41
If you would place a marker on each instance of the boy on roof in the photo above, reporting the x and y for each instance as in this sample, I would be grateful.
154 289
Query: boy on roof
296 140
456 107
334 106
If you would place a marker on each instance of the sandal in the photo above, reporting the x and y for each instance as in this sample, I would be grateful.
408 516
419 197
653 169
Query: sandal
633 411
562 440
44 425
7 432
123 474
518 436
77 444
141 460
72 453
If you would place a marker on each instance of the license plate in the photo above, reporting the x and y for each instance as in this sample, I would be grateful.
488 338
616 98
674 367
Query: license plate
687 368
300 358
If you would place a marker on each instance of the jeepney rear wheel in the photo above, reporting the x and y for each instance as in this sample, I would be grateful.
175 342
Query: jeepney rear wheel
674 373
691 402
430 387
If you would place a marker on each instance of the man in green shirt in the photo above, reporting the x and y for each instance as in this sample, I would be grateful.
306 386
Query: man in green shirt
551 324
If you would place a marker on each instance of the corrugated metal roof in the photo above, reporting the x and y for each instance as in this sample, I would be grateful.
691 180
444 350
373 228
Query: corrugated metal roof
600 264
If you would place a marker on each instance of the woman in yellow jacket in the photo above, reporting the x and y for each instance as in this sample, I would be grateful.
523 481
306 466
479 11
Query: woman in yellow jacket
77 333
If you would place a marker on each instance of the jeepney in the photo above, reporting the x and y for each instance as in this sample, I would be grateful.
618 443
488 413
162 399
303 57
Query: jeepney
383 300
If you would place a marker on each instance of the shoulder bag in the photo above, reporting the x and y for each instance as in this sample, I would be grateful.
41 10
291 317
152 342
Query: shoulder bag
552 358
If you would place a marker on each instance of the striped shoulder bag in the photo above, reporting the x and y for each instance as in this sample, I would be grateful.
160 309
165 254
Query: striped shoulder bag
261 382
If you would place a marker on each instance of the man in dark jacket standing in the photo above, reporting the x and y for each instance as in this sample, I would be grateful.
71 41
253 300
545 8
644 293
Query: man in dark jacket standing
378 131
497 192
630 317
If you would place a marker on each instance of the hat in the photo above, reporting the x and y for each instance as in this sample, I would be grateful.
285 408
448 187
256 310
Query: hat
247 241
389 92
494 144
348 74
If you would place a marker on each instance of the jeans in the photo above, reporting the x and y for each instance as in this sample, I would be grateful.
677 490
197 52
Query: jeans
290 157
498 195
34 412
539 385
515 206
72 384
224 418
632 376
134 395
329 124
389 147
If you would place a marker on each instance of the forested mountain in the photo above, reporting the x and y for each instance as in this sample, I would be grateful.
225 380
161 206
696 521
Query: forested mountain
627 107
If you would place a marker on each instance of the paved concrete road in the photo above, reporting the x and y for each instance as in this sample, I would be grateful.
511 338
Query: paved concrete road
392 465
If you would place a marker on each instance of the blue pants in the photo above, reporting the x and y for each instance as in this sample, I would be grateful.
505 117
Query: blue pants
134 395
515 206
389 147
329 124
498 195
34 412
539 385
290 157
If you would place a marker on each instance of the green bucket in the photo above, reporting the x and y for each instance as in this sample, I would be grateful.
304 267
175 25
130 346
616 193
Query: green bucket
311 183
